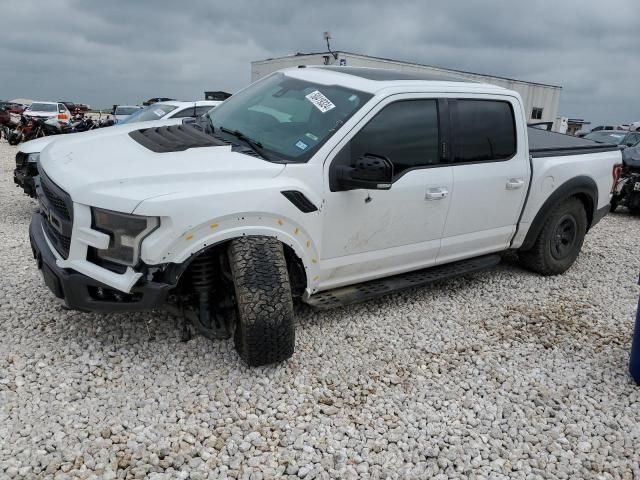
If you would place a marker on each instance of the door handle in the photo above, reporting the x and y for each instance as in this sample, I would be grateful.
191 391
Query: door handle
436 193
515 183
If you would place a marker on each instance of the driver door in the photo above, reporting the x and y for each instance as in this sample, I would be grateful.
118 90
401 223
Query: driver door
370 233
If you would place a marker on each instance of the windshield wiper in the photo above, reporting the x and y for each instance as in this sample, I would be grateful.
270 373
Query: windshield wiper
255 146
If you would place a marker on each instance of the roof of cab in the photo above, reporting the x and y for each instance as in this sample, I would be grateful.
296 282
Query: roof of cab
385 74
373 80
197 103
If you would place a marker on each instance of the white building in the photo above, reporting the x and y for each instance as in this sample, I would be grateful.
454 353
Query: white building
541 101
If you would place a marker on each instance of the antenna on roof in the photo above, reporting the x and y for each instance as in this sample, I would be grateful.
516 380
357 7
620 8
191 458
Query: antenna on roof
327 37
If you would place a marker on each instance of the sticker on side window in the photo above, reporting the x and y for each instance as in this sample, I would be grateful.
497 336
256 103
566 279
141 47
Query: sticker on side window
321 102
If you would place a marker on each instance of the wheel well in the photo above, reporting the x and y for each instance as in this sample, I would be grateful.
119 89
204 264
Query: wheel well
587 202
583 188
295 266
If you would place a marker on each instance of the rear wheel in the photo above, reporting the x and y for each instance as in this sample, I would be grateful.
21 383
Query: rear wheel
560 240
265 330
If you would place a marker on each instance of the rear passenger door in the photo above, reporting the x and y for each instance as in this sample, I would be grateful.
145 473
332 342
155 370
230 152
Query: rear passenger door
491 175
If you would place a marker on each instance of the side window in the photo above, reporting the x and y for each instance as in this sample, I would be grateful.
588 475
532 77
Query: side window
61 108
483 130
202 110
406 132
187 112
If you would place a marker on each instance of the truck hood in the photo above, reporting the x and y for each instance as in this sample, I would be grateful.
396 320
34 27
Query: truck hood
107 168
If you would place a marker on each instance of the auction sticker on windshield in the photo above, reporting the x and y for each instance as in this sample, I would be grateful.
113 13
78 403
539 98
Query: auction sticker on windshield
321 102
158 112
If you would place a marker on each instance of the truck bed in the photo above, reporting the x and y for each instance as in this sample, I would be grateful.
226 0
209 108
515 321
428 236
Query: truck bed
543 143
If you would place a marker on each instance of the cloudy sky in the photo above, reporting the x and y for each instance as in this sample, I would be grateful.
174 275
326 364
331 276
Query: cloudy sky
119 51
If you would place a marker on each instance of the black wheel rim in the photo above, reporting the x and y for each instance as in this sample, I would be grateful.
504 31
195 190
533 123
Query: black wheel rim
564 237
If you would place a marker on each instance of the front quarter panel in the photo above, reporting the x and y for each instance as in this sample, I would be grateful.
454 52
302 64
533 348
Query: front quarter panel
197 220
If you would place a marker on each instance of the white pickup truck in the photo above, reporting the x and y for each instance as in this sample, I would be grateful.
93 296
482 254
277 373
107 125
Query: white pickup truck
328 184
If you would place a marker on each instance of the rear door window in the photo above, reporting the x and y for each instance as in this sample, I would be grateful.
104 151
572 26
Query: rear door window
483 130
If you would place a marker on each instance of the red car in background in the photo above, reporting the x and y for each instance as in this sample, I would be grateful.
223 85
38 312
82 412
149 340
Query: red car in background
5 120
12 107
80 107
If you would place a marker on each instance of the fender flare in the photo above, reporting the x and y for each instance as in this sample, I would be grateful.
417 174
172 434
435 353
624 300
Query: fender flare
305 250
583 187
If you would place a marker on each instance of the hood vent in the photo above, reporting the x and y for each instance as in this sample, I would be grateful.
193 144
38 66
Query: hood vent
174 138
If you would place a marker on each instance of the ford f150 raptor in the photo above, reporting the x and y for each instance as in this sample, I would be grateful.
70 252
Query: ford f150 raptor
328 184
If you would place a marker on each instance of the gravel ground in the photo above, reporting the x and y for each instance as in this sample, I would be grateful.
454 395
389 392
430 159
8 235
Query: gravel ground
501 375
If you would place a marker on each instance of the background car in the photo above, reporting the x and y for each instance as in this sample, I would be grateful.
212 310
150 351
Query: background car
614 137
122 112
72 106
153 100
632 139
173 109
11 107
603 127
48 110
5 120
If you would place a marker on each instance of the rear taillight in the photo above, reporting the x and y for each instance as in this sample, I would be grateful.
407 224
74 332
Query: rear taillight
616 172
62 116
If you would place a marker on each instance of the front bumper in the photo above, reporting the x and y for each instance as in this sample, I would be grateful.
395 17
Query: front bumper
80 292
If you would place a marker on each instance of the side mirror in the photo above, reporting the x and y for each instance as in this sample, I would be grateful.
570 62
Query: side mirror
371 172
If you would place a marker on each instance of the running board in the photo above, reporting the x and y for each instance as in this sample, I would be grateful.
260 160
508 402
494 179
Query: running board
362 292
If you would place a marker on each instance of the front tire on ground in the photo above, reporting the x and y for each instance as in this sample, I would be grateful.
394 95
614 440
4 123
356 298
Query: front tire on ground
265 330
560 240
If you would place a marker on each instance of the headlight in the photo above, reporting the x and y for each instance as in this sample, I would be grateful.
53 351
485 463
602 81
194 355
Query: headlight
126 233
23 158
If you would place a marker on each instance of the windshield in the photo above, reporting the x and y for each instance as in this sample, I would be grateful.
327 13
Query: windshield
126 110
43 107
290 118
152 112
612 138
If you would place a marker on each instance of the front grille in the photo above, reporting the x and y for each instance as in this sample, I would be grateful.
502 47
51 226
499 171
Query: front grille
61 242
57 214
56 201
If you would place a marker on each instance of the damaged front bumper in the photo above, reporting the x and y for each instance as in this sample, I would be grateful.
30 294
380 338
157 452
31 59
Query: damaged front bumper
80 292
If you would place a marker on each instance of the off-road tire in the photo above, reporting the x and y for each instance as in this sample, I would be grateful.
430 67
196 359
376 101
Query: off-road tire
545 257
265 330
